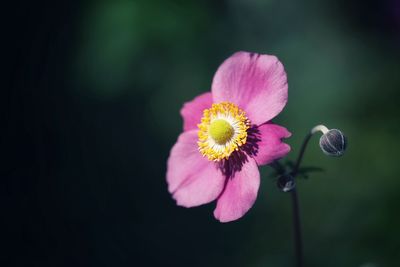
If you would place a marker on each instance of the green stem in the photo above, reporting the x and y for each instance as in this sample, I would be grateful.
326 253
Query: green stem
298 243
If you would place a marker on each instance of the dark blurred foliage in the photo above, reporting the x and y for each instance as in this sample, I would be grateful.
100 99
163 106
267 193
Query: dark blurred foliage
90 100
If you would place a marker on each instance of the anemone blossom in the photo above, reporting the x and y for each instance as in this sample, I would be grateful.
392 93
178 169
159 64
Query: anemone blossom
227 134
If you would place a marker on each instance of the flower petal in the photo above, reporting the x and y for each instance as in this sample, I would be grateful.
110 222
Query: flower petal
193 111
239 194
192 179
270 147
256 83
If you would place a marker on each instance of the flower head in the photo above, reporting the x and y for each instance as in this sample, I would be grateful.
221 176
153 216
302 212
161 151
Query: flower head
228 134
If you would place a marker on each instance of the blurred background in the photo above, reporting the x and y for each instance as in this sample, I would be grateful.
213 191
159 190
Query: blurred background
89 110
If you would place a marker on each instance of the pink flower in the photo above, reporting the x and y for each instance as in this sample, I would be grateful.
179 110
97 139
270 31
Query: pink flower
228 134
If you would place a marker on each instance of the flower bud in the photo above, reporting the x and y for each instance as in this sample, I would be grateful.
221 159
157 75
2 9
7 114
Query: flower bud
333 143
286 183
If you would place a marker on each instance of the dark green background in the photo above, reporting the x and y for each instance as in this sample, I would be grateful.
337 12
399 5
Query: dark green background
90 103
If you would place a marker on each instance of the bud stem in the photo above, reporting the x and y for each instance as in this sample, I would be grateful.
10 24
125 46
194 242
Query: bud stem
298 243
295 201
321 128
315 129
302 150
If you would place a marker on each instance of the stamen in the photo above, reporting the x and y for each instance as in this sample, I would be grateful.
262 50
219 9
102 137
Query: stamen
223 129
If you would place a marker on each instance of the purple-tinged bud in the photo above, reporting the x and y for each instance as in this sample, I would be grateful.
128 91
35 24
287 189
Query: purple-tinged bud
333 143
286 183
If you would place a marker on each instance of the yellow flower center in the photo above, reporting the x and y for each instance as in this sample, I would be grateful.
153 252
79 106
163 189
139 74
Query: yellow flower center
223 129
